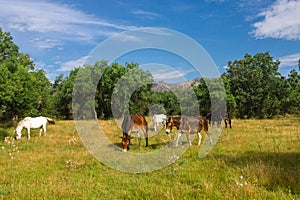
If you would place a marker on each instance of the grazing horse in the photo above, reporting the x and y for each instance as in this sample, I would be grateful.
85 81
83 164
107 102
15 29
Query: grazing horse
34 123
218 118
131 122
188 125
157 119
227 120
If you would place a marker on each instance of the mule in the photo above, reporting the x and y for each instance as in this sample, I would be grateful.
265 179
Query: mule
34 123
227 120
215 120
159 119
188 125
218 118
130 123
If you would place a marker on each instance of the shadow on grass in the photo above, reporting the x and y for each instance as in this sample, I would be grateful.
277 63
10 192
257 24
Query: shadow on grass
271 169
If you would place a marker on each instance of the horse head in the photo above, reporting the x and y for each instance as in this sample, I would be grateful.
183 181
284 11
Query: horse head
125 142
169 125
18 134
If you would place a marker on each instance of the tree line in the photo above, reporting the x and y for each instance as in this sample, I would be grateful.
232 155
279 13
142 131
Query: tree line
253 85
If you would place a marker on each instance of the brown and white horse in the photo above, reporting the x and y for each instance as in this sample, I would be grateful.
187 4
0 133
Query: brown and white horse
133 122
188 125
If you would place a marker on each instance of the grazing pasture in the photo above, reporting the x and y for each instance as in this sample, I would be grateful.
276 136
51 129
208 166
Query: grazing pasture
256 159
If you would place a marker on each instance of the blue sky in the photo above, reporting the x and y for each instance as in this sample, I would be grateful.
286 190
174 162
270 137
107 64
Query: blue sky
60 34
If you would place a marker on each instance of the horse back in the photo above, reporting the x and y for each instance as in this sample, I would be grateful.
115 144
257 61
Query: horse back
139 120
159 117
133 120
195 124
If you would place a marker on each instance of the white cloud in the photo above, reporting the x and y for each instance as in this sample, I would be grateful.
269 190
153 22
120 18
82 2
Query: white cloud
167 74
69 65
146 14
161 72
59 21
289 60
280 20
45 43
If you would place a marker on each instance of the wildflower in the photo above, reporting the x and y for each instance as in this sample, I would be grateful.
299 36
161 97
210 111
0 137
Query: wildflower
239 184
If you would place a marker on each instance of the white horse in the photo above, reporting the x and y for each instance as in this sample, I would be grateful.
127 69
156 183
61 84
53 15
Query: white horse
158 118
34 123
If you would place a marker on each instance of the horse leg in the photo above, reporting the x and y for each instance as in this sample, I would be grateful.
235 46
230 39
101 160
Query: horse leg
177 138
146 135
210 140
139 138
188 138
225 123
155 126
129 137
45 130
199 138
28 132
41 130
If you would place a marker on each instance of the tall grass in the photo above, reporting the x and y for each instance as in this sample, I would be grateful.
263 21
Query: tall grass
256 159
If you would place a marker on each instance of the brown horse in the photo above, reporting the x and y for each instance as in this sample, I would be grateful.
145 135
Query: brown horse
133 122
218 118
188 125
227 120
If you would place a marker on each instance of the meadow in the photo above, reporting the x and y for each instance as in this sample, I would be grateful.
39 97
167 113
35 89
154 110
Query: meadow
256 159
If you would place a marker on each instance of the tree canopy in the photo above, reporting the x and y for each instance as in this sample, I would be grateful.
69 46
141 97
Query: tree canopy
23 90
253 85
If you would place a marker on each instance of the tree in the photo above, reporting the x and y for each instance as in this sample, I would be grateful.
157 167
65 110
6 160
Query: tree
130 90
107 82
291 103
62 89
256 85
23 90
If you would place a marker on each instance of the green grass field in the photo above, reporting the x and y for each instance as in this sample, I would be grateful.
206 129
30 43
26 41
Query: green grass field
256 159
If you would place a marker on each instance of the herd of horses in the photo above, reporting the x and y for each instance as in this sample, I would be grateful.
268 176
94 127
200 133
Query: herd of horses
131 122
184 125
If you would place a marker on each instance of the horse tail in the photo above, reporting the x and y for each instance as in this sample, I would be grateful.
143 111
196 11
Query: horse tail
51 121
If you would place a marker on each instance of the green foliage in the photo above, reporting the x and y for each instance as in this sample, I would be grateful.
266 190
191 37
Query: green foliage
62 92
256 85
23 90
166 100
291 103
3 134
254 89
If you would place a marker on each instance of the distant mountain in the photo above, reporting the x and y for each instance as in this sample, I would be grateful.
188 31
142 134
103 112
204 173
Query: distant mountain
162 86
